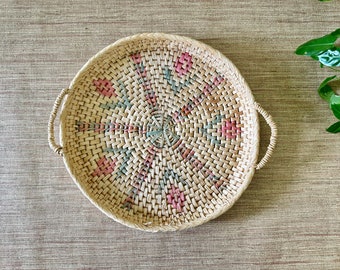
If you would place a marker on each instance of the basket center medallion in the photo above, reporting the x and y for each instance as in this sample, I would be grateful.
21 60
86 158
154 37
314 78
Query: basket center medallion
161 130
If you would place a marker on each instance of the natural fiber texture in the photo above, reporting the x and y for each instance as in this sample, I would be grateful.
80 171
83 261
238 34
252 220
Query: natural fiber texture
288 218
273 136
51 138
160 132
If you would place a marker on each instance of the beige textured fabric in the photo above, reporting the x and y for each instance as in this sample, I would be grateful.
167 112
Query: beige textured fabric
288 218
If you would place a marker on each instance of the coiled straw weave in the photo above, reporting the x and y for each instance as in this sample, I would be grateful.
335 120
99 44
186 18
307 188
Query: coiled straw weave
160 132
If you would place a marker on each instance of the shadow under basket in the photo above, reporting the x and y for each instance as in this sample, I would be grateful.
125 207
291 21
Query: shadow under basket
160 132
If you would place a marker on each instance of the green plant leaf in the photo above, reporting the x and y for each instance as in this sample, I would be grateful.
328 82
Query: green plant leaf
335 128
325 91
330 58
318 45
336 33
325 0
326 51
335 105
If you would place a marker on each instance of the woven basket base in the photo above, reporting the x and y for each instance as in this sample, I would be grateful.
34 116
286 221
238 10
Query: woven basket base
160 132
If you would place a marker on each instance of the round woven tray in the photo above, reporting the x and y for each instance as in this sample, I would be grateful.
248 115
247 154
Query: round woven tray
160 132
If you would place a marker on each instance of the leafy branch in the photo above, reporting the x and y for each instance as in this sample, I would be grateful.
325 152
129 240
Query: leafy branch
326 51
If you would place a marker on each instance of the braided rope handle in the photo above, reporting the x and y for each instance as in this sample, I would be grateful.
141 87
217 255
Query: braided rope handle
51 139
273 136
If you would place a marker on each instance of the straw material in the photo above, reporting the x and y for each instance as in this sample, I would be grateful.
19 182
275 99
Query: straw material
160 132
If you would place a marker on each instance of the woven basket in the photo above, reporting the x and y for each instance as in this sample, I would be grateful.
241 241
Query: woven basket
160 132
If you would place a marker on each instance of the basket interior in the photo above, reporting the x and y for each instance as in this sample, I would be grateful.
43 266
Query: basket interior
160 133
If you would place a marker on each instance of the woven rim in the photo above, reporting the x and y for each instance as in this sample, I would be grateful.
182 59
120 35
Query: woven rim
160 132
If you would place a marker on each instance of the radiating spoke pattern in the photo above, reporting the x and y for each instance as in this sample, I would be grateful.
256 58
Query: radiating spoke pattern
157 128
189 156
183 113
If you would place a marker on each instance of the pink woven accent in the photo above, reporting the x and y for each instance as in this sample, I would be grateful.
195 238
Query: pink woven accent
183 64
136 58
176 198
105 167
105 87
230 129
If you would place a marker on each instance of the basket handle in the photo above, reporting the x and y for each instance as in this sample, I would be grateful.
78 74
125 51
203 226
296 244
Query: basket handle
51 139
273 136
